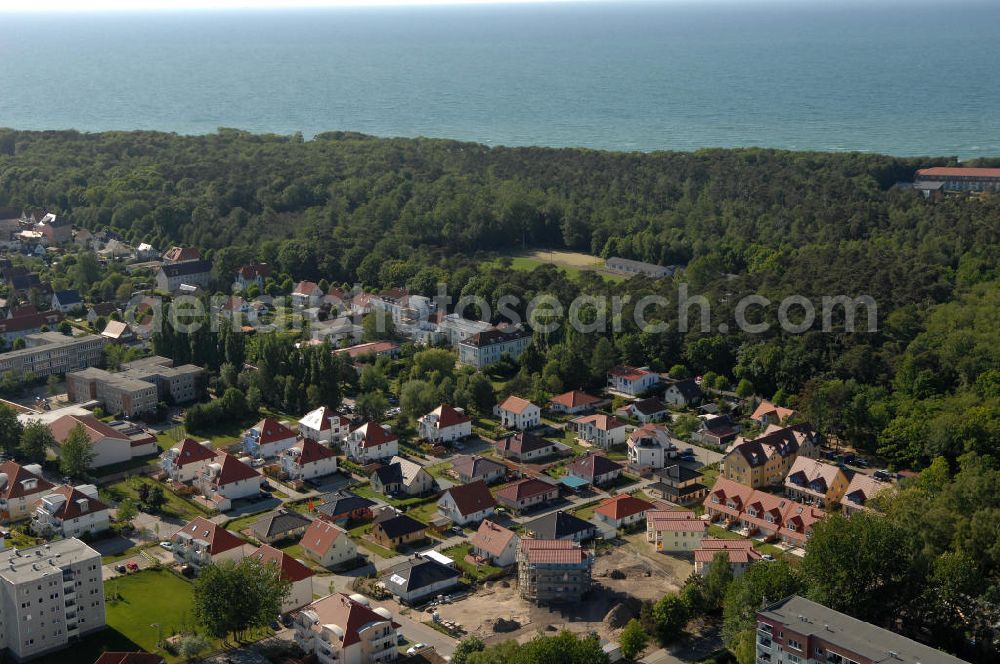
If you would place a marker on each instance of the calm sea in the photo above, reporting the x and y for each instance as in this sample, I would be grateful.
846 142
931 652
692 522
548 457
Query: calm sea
903 78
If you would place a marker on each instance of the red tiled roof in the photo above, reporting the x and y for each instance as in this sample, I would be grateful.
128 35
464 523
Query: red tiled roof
375 347
515 404
629 373
350 616
675 521
783 511
182 254
374 434
232 470
553 551
767 408
291 569
574 399
14 477
254 270
219 539
600 421
70 508
306 288
320 536
311 452
271 431
492 538
952 171
471 498
94 428
191 451
448 416
526 488
623 506
740 551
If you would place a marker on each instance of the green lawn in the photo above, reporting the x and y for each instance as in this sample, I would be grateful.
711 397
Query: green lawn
424 511
586 511
359 533
458 554
245 521
175 507
366 491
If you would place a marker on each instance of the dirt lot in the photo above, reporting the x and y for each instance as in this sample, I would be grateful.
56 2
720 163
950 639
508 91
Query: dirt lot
646 578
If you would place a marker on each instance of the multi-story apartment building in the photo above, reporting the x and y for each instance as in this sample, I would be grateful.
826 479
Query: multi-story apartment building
958 179
226 479
20 487
138 387
444 424
370 442
799 631
341 629
485 348
766 460
48 353
674 530
69 511
815 482
553 571
201 542
180 383
751 512
187 460
50 596
324 425
860 491
739 553
651 446
189 273
307 459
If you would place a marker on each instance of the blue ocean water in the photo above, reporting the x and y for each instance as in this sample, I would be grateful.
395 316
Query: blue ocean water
883 76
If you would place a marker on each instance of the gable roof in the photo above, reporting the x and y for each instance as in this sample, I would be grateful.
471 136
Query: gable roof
863 488
418 573
343 502
523 442
186 268
320 418
492 538
254 270
278 524
68 297
231 470
93 427
574 399
471 498
70 507
182 254
738 550
320 536
623 506
389 473
218 539
688 388
630 374
515 405
675 521
311 452
448 416
307 288
399 526
557 525
806 472
374 434
592 465
475 466
15 480
525 488
347 616
116 329
677 473
290 569
191 451
600 421
271 431
552 552
648 406
765 407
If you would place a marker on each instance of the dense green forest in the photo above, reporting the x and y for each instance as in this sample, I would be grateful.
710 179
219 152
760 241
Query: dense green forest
415 212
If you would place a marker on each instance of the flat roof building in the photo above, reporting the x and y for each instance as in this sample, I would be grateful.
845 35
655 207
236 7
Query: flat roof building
47 353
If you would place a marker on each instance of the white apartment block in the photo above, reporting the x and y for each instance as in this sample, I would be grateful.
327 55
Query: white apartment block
50 596
49 353
485 348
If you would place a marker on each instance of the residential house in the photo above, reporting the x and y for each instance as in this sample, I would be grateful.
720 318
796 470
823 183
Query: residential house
814 482
861 489
596 469
768 413
201 542
674 530
525 446
66 301
108 445
575 402
469 468
717 430
171 277
651 446
119 332
604 431
293 571
678 483
561 525
100 310
374 349
306 294
490 346
370 442
28 324
253 273
646 410
495 545
766 460
55 230
268 438
632 381
328 545
307 459
444 424
739 552
397 530
420 578
682 393
401 477
553 571
467 503
278 526
325 425
146 252
227 479
181 255
20 487
517 413
344 506
186 461
68 511
752 512
338 629
622 511
526 494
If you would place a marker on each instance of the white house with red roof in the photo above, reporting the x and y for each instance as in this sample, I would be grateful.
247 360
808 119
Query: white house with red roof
328 544
622 511
307 294
467 503
325 425
292 570
494 544
187 460
341 629
517 413
768 413
69 511
575 402
604 431
108 445
739 553
632 381
444 424
371 441
674 530
20 487
527 493
307 459
268 438
226 479
201 542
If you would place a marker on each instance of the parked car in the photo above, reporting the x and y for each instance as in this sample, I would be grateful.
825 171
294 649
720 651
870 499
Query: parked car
132 567
169 546
767 556
882 476
121 569
416 648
